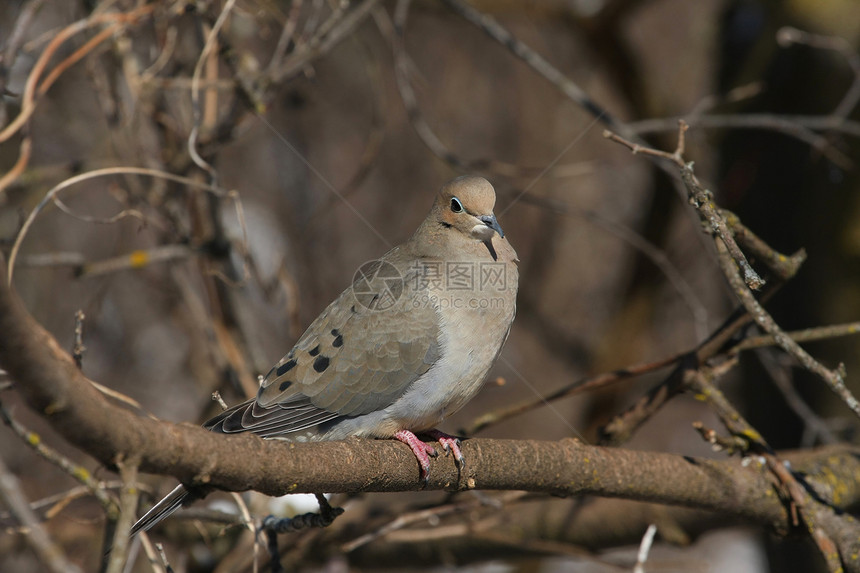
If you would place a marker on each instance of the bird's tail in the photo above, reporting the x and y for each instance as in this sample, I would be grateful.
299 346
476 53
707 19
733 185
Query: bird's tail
171 502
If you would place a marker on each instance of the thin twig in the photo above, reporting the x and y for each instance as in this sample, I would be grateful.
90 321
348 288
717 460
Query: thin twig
793 125
703 200
609 378
644 549
734 95
197 112
432 514
806 335
16 246
20 164
51 506
16 38
731 257
49 554
78 349
584 385
636 241
152 554
134 213
78 472
163 556
699 197
800 127
780 373
135 260
216 397
788 35
28 104
342 24
701 382
784 267
541 65
835 379
286 36
394 29
719 443
128 505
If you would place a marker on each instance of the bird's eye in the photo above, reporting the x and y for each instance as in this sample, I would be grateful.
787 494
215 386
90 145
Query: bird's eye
456 206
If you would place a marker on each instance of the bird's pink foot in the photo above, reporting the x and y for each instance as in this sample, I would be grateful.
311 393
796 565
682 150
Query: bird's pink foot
421 450
451 444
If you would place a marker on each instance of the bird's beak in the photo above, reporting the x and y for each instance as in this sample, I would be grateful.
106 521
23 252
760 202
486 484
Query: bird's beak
490 221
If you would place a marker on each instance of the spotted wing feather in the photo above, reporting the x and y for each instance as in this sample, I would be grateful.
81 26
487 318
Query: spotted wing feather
354 359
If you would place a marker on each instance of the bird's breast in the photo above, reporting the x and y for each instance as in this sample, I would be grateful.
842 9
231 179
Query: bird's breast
476 304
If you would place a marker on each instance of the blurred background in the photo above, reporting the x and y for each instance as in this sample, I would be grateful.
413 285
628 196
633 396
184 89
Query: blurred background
331 165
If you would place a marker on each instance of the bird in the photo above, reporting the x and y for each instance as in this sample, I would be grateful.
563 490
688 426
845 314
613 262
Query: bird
405 346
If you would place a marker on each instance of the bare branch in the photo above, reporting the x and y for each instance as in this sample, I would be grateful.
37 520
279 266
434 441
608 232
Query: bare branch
814 514
128 504
731 257
80 473
49 554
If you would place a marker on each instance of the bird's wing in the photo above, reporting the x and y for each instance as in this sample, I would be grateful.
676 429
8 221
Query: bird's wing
357 357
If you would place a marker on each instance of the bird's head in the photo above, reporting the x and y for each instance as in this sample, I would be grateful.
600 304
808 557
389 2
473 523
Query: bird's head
466 205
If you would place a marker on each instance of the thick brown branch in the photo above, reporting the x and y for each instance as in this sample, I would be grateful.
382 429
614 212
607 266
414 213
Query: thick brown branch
52 384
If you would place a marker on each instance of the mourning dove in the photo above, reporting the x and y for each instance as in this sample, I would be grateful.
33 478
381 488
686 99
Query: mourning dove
408 344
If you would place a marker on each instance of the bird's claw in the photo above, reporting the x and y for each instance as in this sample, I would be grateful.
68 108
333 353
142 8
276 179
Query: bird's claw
423 451
451 445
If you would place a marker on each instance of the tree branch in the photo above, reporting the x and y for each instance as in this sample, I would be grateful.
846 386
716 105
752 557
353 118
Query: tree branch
51 383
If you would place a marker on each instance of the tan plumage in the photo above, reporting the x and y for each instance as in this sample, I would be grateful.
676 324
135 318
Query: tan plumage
391 356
